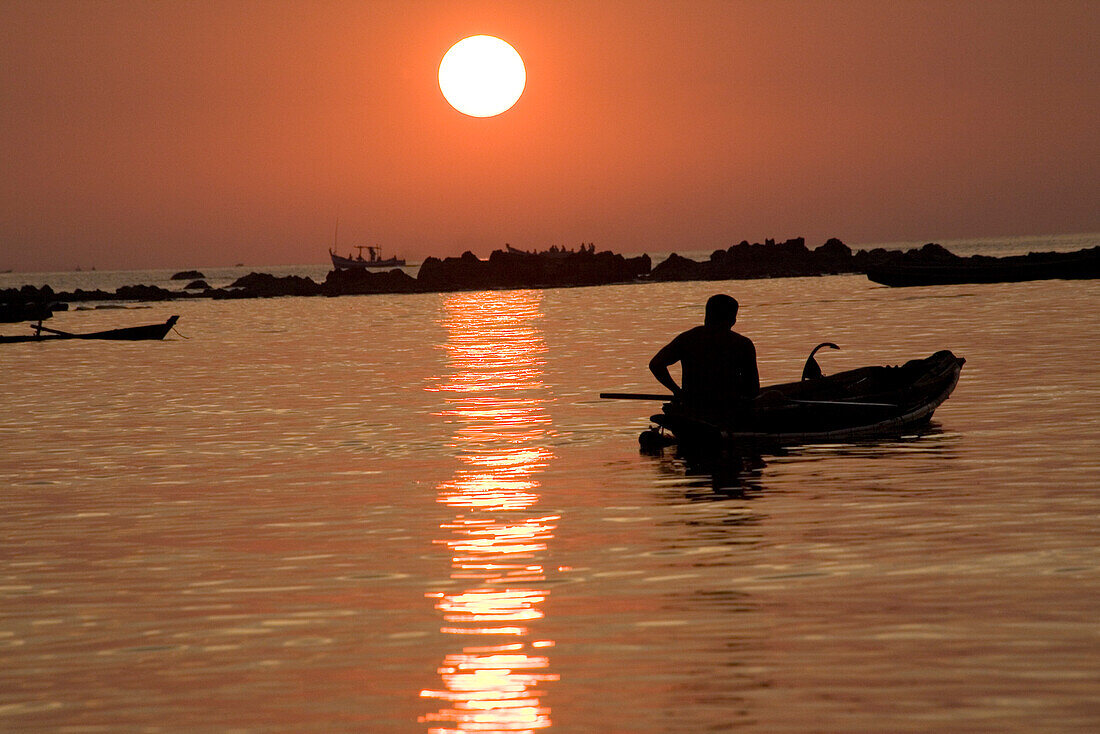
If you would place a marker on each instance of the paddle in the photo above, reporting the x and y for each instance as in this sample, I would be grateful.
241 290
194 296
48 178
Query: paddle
669 398
844 402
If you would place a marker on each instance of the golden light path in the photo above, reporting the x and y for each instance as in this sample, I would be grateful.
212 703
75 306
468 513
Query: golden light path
497 540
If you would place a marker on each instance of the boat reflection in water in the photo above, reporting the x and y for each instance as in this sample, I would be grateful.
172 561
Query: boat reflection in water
497 539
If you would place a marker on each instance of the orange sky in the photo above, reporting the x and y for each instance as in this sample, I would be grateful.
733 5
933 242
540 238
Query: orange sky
180 134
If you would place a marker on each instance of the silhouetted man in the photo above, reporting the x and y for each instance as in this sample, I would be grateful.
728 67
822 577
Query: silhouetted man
718 364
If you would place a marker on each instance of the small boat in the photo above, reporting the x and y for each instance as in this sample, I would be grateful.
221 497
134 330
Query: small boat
132 333
374 259
859 404
1082 264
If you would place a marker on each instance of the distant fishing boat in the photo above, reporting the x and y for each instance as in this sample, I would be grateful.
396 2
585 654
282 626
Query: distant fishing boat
374 259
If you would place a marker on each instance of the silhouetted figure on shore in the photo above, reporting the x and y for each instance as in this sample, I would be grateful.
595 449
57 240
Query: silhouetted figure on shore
718 365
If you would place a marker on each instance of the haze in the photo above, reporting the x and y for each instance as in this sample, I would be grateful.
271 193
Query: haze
157 134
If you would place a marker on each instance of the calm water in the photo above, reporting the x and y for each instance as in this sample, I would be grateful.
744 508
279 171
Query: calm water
412 514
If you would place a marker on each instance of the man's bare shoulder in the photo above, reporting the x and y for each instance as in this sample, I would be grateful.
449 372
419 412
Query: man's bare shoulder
696 333
742 339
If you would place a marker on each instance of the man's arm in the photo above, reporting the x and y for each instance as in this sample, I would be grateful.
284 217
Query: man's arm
752 373
659 365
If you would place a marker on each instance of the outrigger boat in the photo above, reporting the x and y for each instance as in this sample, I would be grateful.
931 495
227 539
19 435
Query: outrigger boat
131 333
859 404
373 260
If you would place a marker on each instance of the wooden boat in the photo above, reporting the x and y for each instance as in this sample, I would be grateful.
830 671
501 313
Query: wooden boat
868 402
131 333
373 260
1082 264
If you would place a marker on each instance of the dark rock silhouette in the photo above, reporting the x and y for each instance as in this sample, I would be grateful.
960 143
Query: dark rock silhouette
143 293
560 267
341 282
45 294
769 260
264 285
188 275
676 267
937 266
82 295
513 268
834 256
793 259
453 273
929 254
28 294
29 304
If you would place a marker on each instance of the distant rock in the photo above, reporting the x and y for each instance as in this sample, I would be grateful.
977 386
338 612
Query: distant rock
833 257
361 282
929 254
454 273
677 267
556 268
264 285
28 304
768 260
516 269
934 265
82 295
790 259
143 293
188 275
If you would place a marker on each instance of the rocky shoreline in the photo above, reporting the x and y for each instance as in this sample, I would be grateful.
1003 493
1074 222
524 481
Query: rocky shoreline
512 269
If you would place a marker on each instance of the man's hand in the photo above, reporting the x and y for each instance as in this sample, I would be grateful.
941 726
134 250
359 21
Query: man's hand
770 399
659 368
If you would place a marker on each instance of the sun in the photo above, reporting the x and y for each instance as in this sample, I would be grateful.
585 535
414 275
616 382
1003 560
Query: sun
482 76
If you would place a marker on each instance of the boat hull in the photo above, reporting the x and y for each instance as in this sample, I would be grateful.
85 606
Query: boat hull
869 402
351 263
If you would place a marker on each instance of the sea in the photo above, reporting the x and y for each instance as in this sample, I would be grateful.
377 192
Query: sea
413 513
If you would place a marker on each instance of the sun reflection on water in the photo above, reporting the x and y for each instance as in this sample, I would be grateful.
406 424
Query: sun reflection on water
494 399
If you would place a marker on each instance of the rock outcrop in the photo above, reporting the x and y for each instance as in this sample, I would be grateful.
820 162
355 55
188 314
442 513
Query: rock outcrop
793 259
516 269
265 285
29 304
768 260
363 282
555 268
143 293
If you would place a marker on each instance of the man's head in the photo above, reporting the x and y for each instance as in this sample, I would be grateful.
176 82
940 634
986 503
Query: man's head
721 311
